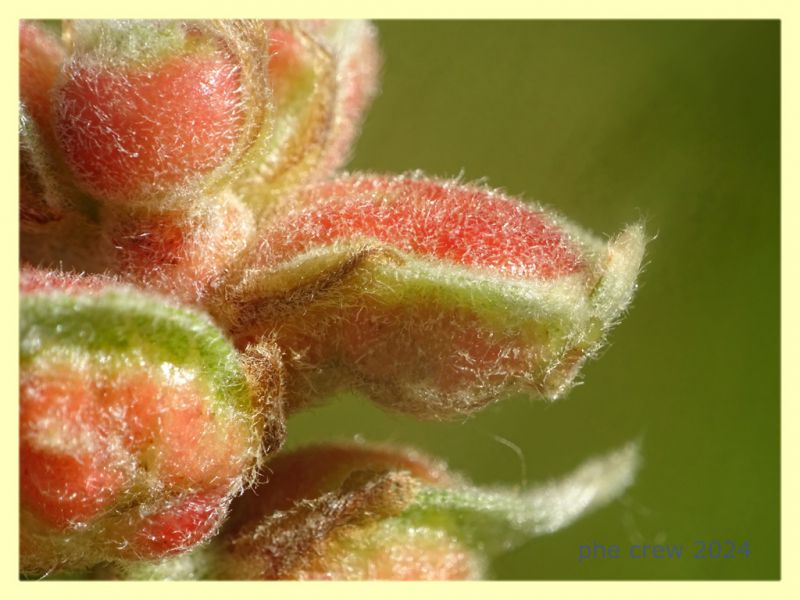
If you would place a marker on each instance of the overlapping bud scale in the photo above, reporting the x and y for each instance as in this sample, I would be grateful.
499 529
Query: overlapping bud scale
432 297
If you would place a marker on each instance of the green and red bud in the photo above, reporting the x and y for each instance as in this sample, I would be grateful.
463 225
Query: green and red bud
323 75
354 512
150 112
152 119
432 297
303 85
139 423
154 113
160 130
354 45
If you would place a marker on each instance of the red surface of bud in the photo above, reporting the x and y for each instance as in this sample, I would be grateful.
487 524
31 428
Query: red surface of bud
145 109
432 297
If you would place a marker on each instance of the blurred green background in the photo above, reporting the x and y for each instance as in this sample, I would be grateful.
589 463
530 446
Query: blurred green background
609 122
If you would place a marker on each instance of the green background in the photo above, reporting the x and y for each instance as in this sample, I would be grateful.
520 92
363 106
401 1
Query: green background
609 122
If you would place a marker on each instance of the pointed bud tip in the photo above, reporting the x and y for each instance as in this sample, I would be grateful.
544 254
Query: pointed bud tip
615 290
592 485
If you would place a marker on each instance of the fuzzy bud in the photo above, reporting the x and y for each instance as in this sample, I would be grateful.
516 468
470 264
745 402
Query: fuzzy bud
171 138
432 297
151 111
354 44
355 512
139 422
323 75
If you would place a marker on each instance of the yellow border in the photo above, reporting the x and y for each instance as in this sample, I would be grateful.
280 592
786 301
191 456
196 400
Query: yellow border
787 11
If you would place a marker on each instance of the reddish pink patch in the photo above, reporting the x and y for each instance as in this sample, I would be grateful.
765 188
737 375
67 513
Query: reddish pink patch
65 480
32 279
150 243
173 426
85 439
134 131
194 450
183 524
463 225
64 489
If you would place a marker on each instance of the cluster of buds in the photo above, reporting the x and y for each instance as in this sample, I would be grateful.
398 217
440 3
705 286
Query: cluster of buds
195 268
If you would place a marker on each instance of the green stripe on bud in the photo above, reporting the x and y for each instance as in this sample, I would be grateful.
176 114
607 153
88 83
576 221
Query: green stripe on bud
386 513
431 297
495 521
117 322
